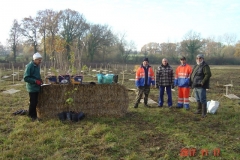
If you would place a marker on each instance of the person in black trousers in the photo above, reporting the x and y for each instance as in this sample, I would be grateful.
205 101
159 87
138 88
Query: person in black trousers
32 77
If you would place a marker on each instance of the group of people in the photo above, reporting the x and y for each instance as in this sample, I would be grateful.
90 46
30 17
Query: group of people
184 78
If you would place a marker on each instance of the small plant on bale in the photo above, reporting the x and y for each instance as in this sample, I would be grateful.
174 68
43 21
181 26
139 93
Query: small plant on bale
70 94
84 69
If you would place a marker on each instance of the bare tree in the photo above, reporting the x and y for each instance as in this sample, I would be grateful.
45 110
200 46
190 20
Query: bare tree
229 38
125 48
168 48
3 50
228 51
151 48
105 50
129 48
52 26
30 30
80 43
45 24
121 45
14 38
213 48
79 48
237 49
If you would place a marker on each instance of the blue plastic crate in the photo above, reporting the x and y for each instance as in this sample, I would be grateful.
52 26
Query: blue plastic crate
52 79
64 79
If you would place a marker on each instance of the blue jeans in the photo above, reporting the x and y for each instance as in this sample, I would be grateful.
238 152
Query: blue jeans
200 95
169 93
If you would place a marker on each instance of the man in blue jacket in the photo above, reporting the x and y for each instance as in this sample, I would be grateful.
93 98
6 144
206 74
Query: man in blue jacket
32 77
143 81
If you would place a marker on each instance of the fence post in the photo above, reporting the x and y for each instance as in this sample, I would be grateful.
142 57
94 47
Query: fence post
13 73
0 74
89 70
123 77
18 73
155 73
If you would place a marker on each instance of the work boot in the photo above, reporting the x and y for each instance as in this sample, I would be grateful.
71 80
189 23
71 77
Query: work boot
204 110
136 105
34 119
146 105
145 102
199 108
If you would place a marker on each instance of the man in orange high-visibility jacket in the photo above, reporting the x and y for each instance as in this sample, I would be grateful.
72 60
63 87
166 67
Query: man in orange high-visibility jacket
143 81
182 80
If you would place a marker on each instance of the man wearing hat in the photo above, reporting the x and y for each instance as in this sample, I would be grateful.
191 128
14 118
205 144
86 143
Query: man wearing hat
143 81
33 81
200 78
182 80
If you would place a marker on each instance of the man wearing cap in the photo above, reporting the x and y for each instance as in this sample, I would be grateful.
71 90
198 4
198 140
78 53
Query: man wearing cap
164 80
33 81
200 78
182 80
143 81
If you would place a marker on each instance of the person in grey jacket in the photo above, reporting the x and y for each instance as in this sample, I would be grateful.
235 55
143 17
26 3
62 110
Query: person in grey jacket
165 79
200 78
32 77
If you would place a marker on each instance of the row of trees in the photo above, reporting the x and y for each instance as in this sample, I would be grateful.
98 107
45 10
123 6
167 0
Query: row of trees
66 34
60 35
192 44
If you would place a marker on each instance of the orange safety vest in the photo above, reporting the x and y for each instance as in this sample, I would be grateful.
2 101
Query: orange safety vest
182 76
140 76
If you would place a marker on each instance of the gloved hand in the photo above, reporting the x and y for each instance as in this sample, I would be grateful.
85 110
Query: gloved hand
38 82
173 86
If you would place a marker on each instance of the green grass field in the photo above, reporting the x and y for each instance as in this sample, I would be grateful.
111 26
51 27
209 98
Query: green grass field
143 133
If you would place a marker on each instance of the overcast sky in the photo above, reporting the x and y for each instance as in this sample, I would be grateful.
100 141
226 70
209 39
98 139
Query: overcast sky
143 21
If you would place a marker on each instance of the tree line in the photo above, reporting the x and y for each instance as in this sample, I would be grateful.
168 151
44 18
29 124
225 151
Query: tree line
65 35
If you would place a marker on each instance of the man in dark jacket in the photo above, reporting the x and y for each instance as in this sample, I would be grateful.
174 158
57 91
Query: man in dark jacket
165 79
200 78
33 81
